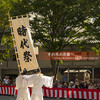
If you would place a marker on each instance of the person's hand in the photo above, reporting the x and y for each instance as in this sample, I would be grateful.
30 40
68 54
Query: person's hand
53 77
19 74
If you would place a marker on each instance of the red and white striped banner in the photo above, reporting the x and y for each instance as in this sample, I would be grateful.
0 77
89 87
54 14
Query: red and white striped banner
58 92
8 90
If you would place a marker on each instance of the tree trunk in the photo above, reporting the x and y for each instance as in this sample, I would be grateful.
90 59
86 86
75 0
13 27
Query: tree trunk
55 68
1 34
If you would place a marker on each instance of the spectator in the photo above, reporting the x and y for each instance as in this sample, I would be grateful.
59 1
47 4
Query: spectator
87 77
13 82
55 84
59 85
71 85
81 84
6 79
77 85
98 85
65 85
85 86
95 86
90 86
64 78
3 83
9 83
76 81
96 80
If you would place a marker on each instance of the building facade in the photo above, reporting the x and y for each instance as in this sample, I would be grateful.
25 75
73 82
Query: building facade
72 68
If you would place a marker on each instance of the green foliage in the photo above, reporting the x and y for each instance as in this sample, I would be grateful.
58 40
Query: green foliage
59 23
5 37
94 26
97 49
3 15
5 7
6 45
20 7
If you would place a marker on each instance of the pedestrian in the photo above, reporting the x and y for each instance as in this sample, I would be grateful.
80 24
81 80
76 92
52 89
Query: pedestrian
22 86
39 81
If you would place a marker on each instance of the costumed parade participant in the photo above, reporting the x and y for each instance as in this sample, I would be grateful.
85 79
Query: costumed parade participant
22 86
38 81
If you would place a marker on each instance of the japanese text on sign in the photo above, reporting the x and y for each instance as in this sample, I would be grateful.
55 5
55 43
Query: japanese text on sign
24 43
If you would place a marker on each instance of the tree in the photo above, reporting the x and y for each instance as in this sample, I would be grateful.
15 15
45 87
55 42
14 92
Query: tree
5 36
14 7
3 18
59 23
94 26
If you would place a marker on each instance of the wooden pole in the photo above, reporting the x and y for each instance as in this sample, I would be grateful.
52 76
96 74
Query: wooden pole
92 74
68 75
14 43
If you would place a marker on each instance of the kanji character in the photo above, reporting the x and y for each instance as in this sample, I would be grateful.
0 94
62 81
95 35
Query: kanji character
22 31
24 42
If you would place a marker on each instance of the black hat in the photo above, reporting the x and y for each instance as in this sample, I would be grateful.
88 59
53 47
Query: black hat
24 71
37 70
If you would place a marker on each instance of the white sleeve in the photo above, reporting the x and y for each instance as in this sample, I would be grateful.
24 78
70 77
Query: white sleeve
47 81
24 82
17 83
30 79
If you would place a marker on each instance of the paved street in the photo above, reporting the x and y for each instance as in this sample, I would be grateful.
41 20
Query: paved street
2 97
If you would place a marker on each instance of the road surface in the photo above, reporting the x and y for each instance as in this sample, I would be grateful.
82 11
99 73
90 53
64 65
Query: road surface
3 97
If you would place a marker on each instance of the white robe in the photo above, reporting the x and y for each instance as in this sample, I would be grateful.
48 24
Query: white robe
38 82
22 87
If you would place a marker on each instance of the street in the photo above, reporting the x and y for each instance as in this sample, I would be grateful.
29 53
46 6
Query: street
3 97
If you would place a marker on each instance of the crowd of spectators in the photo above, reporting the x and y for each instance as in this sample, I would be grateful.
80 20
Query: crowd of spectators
89 84
61 83
77 84
7 81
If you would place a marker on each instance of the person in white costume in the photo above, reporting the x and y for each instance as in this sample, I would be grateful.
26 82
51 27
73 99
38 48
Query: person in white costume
37 83
22 83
